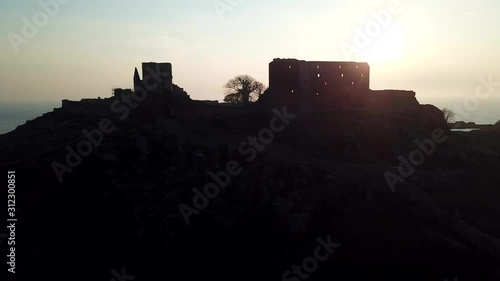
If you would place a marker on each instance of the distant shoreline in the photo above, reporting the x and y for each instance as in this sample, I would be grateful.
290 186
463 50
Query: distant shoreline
460 126
13 114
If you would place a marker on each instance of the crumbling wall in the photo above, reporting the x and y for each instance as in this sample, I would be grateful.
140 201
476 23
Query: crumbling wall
119 92
89 107
392 101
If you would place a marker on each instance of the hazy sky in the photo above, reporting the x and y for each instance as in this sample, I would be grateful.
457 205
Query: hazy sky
437 48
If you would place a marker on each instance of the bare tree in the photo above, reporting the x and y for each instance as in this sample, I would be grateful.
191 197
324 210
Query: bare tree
243 89
448 115
233 98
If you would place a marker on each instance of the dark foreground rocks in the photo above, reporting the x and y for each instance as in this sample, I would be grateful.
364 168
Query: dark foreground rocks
321 178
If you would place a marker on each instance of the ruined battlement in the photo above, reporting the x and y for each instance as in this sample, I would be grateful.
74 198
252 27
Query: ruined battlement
319 77
392 101
88 107
309 86
394 92
157 78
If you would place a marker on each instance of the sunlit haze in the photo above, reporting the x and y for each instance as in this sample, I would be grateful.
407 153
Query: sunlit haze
437 48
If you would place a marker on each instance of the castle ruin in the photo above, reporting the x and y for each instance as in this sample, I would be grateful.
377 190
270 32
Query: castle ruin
303 86
157 78
311 86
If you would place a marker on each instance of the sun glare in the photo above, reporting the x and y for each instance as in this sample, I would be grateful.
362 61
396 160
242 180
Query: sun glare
389 47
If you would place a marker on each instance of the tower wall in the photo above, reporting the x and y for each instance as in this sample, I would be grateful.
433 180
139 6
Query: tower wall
157 77
307 86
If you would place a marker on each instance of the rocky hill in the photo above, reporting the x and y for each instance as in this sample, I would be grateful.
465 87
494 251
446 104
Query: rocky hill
131 201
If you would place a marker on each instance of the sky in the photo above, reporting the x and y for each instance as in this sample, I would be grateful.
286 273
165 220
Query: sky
84 49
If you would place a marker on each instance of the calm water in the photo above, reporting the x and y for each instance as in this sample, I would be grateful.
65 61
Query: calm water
15 114
488 112
464 130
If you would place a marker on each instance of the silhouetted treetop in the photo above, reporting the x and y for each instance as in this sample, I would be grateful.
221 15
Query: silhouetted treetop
448 115
243 89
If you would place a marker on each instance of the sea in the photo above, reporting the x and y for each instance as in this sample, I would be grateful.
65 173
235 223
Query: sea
15 114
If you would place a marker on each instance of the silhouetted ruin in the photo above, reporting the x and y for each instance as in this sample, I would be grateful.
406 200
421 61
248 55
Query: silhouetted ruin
145 177
157 78
156 93
119 92
318 85
304 87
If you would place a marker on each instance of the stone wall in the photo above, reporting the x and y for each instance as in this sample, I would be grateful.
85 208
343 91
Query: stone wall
316 85
392 101
153 72
89 107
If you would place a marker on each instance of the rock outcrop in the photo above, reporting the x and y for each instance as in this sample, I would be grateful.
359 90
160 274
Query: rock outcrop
320 176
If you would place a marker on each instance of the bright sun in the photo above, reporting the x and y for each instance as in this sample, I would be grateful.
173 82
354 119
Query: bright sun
388 47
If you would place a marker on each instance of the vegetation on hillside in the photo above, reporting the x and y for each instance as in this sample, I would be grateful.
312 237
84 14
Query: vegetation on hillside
243 89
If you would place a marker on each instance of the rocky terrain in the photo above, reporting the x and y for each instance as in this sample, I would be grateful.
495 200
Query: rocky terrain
323 175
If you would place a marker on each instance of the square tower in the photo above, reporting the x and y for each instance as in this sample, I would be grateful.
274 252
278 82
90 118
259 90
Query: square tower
157 77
